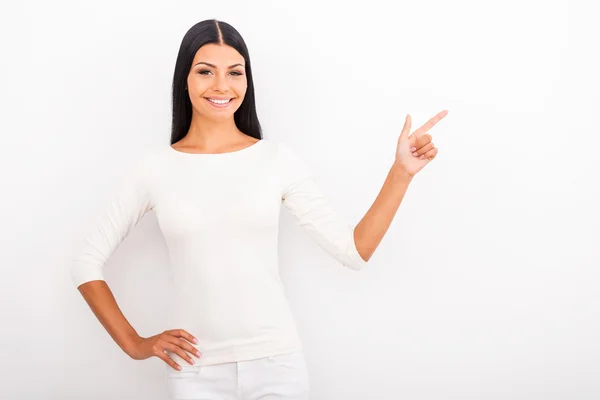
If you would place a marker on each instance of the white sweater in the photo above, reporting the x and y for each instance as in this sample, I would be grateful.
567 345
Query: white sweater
219 214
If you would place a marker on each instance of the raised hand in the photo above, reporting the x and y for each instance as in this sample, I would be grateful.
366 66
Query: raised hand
172 340
414 152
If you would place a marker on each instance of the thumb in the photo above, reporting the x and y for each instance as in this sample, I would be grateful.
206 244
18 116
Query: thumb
406 128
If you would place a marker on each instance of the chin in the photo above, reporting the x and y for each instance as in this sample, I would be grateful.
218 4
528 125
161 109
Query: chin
217 116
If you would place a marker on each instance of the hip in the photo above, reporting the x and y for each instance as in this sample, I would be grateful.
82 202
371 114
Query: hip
280 376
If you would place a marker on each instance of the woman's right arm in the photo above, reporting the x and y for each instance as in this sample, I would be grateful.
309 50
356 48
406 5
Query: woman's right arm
100 298
128 204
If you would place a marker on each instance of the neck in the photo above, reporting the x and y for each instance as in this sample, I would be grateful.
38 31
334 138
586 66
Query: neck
212 134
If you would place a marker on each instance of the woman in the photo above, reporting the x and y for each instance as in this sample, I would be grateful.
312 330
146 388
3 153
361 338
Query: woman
217 191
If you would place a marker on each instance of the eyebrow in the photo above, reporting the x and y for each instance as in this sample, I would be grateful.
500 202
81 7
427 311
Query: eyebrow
214 66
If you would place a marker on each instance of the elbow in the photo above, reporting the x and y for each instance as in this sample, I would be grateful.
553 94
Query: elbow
83 272
356 262
355 267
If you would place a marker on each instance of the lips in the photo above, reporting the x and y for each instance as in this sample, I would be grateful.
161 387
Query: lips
220 102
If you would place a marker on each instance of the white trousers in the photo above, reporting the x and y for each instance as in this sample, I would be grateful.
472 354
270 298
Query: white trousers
279 377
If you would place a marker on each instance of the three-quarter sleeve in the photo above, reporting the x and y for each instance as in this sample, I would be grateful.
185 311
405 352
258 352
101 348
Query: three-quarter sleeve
126 205
302 196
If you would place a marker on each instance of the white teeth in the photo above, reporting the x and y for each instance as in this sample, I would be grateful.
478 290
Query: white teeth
219 101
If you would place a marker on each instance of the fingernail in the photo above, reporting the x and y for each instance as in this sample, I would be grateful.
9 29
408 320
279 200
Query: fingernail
198 354
415 154
195 340
192 361
413 148
422 157
178 368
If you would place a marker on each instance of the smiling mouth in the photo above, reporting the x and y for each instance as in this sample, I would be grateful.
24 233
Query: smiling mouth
217 102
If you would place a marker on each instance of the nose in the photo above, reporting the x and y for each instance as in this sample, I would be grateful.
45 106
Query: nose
221 84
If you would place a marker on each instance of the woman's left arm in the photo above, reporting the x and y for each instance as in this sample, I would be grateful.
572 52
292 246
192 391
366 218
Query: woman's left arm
352 245
413 153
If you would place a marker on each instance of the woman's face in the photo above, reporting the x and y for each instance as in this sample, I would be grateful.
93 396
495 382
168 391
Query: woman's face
218 73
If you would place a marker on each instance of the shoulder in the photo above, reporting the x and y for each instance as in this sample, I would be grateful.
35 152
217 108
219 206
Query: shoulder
291 164
278 150
284 151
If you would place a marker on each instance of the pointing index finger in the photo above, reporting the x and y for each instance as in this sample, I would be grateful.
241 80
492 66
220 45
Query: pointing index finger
429 124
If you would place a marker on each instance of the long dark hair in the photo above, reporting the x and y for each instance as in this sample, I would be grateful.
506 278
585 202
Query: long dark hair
205 32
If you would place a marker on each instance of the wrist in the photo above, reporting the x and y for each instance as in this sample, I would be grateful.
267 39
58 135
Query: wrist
398 172
131 343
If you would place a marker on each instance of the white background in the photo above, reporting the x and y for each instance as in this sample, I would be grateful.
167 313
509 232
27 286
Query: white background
486 284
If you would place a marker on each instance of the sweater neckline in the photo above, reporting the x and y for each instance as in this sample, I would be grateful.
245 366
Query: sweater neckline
227 154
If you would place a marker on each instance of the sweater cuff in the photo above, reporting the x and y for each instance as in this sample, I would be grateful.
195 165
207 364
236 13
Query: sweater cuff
82 273
357 262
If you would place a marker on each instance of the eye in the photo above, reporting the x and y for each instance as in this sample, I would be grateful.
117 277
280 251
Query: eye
206 72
